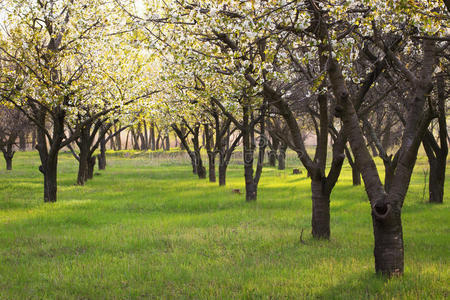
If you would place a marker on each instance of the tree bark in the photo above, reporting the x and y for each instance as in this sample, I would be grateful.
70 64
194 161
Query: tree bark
8 152
201 170
8 159
50 178
83 163
282 156
386 208
274 151
356 176
49 155
22 141
320 210
211 155
437 154
91 166
102 156
152 137
388 249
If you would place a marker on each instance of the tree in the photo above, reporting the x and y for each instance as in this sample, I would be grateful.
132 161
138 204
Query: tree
387 205
55 53
13 124
437 149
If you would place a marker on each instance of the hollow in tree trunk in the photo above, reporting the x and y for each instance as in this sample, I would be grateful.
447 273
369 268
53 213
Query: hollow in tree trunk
388 249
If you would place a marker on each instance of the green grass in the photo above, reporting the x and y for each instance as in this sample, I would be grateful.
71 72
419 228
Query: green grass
147 228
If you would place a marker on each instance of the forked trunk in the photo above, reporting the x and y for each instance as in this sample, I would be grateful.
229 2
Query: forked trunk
320 211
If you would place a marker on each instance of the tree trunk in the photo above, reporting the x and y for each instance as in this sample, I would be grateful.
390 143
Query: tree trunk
50 178
22 141
102 155
282 157
388 244
374 150
152 137
250 186
389 174
8 159
112 141
83 164
356 176
145 136
49 155
90 169
320 210
211 154
273 152
8 152
33 138
222 174
212 166
82 168
436 181
126 140
167 142
201 170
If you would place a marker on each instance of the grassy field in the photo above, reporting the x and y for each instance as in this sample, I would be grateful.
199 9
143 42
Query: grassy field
147 228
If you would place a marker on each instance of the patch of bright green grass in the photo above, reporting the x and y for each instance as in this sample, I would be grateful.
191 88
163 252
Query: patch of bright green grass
142 229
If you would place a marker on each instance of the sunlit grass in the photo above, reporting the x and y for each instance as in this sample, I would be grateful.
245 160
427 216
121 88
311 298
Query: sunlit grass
147 228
